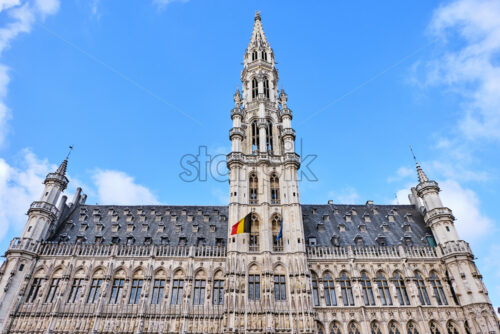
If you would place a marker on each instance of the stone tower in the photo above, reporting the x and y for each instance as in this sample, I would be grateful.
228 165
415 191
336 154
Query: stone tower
263 180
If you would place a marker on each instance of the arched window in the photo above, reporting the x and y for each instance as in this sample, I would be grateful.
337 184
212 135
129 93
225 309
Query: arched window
255 137
399 284
411 327
279 284
218 291
200 283
375 328
346 288
254 55
253 188
269 137
467 327
255 88
158 287
319 328
422 291
394 328
177 288
434 328
383 289
95 286
329 287
54 286
335 328
117 287
315 286
438 289
366 286
136 289
76 286
36 285
452 328
264 55
254 233
275 189
276 229
254 283
353 328
266 87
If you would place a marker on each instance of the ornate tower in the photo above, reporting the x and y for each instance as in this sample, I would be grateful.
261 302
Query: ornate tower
461 271
263 181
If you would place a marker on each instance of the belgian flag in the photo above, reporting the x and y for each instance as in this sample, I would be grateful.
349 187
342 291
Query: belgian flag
242 226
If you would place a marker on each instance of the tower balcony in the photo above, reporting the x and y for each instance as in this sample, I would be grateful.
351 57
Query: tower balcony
286 112
233 158
236 132
456 248
438 213
236 112
44 207
292 158
424 187
288 133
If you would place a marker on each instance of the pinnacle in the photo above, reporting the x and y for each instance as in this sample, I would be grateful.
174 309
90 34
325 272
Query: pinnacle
61 170
421 174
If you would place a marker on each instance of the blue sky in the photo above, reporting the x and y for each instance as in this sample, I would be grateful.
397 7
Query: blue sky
136 87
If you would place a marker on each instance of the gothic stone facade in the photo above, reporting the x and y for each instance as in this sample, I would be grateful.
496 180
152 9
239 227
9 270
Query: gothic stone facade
382 269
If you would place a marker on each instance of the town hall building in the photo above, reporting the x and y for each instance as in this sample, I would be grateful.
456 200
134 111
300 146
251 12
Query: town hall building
292 268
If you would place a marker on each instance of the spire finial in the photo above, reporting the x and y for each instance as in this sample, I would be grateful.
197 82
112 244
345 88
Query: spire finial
69 152
257 15
421 175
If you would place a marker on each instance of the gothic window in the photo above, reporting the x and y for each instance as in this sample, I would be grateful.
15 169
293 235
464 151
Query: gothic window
254 55
269 137
76 290
158 290
253 184
394 328
438 289
422 291
366 286
135 292
335 328
218 290
279 287
315 290
434 328
255 88
375 328
54 285
95 287
177 287
254 233
266 87
275 189
200 283
399 284
276 228
353 328
346 288
320 328
329 287
412 328
264 55
383 289
35 288
452 328
116 290
253 287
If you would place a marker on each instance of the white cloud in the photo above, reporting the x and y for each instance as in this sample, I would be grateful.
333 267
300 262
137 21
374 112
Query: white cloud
116 187
401 173
161 4
469 63
20 19
346 196
20 184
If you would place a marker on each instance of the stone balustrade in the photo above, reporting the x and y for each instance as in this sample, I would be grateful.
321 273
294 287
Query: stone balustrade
372 252
44 206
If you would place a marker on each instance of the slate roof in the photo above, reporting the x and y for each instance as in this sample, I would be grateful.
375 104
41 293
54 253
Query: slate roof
324 225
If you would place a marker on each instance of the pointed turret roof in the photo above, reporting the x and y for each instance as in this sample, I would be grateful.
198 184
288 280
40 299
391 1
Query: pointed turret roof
61 170
421 174
258 36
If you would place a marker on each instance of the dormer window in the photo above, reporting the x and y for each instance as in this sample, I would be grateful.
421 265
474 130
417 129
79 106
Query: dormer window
190 218
183 212
130 227
153 212
342 227
347 218
139 211
326 218
381 240
80 239
83 216
96 211
158 218
99 227
173 218
385 227
97 218
83 227
367 218
195 228
206 218
390 218
178 228
111 212
115 217
145 227
212 228
182 241
335 240
161 227
362 228
312 241
115 227
409 218
354 212
164 241
358 240
115 240
147 240
130 240
98 240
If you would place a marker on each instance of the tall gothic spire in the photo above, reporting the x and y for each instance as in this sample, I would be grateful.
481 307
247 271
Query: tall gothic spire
258 37
61 170
421 175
